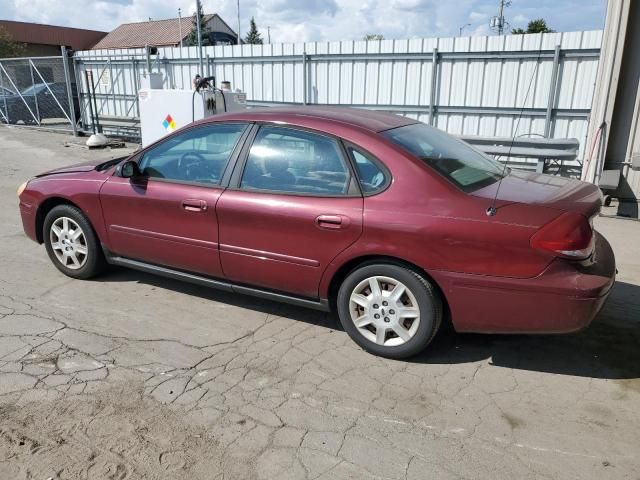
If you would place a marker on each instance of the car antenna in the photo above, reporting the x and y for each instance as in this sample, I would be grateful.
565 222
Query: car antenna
491 209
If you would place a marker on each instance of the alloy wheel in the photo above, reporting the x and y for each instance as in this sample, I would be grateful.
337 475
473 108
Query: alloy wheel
384 311
69 243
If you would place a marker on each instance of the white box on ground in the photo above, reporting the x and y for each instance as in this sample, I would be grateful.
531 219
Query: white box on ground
164 111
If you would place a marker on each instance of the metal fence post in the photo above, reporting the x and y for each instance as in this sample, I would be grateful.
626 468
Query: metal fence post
136 84
553 88
67 80
95 104
81 106
93 122
434 83
305 78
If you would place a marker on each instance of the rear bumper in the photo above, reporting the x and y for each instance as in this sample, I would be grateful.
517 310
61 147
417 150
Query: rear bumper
564 298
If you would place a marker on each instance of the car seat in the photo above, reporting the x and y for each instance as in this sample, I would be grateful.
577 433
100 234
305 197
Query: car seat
279 176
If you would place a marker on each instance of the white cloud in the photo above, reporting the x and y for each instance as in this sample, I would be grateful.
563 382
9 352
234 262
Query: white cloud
520 20
311 20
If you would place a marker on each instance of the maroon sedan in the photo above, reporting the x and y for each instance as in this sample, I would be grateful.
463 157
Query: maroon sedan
382 218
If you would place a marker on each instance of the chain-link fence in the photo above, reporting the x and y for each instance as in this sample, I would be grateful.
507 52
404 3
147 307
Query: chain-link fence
39 91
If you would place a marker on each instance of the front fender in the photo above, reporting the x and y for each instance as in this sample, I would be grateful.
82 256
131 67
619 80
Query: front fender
42 193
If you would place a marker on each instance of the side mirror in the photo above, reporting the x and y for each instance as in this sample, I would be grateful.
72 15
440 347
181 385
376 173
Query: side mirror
129 169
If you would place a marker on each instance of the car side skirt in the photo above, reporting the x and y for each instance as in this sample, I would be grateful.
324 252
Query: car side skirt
316 304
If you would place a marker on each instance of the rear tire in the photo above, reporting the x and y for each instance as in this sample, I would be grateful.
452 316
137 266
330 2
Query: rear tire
71 243
389 310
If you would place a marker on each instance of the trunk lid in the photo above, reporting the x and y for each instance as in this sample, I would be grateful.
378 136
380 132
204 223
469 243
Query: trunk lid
549 191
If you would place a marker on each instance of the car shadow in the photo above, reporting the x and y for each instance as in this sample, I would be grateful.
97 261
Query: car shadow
608 349
307 315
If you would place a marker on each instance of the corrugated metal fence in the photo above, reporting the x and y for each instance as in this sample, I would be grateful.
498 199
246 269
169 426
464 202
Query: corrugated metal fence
463 85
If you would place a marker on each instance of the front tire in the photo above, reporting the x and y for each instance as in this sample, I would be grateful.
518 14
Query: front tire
71 243
389 310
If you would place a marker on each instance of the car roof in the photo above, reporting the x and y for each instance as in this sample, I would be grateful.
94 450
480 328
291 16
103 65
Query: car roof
375 121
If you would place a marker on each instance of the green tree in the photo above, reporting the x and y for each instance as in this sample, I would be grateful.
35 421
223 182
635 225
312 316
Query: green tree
8 47
539 25
253 35
192 38
373 36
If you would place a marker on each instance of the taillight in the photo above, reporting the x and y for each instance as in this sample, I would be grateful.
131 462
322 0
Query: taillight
569 236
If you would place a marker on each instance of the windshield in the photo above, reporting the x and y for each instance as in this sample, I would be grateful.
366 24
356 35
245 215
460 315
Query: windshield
463 165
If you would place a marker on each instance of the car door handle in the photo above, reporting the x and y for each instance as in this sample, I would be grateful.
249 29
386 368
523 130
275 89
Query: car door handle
194 205
331 222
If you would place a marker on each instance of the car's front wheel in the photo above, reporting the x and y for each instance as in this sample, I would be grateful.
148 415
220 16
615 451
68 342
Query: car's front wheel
389 310
71 243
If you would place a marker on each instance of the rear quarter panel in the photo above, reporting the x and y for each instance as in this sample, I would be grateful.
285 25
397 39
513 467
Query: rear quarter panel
423 219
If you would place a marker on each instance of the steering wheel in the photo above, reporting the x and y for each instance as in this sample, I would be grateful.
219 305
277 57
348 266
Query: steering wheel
192 165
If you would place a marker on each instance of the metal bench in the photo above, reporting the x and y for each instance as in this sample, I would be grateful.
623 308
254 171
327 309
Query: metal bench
544 149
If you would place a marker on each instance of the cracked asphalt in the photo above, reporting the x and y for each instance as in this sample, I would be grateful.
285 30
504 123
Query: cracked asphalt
135 376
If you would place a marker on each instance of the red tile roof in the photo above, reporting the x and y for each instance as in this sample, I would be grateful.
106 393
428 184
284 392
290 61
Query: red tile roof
35 33
156 32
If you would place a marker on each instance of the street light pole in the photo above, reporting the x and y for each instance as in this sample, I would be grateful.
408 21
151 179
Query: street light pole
268 34
463 27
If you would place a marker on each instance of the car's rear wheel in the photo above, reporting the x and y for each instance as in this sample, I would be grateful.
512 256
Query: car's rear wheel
389 310
71 243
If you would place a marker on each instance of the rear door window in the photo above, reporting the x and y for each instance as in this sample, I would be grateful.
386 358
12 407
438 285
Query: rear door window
295 161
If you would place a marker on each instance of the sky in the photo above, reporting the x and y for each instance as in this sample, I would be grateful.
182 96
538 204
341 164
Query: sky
320 20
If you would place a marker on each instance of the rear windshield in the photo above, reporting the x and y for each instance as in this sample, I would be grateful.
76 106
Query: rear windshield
463 165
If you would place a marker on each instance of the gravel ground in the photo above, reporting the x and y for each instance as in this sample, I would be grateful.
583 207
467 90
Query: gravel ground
134 376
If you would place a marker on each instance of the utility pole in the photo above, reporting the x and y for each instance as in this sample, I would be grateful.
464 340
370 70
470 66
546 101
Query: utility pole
268 34
498 22
501 18
199 32
180 25
239 22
